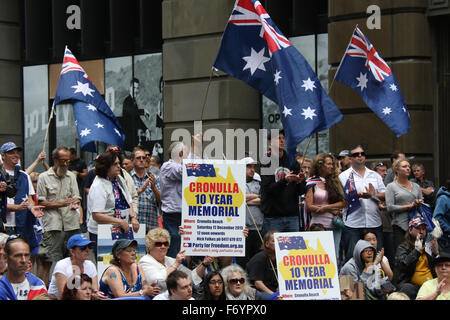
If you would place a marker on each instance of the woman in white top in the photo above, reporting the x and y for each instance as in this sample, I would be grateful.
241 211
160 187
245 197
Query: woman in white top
77 264
157 265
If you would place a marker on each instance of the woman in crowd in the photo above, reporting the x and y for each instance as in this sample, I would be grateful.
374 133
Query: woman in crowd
401 196
325 198
437 288
125 278
157 265
262 266
109 201
236 284
82 291
212 287
380 259
79 248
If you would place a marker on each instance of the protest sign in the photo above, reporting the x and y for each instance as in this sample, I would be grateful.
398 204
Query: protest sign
307 268
105 240
213 208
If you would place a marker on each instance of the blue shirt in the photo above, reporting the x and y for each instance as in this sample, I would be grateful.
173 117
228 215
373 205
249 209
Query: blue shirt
170 180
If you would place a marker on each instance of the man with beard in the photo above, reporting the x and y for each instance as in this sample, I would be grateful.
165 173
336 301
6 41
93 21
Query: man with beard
57 190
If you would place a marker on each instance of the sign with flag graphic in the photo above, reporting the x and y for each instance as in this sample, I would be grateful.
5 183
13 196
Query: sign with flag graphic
306 265
255 51
200 170
93 118
363 69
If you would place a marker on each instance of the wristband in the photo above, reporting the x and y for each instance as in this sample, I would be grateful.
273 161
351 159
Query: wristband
205 265
141 292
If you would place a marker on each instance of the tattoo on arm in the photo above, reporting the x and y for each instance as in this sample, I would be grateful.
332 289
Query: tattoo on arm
113 275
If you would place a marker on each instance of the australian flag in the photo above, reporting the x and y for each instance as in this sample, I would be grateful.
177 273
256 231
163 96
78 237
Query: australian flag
351 195
254 50
291 243
93 117
369 75
200 170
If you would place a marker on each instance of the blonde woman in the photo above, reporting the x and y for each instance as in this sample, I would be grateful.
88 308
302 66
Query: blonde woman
401 196
157 265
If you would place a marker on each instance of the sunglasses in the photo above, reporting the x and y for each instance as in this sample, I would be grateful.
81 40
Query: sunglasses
64 161
84 248
160 244
235 280
15 236
358 154
381 164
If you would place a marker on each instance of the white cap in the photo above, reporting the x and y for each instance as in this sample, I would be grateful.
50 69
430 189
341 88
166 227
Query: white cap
249 160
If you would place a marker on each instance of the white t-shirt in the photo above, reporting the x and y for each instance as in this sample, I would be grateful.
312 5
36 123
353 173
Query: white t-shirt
11 215
22 289
64 267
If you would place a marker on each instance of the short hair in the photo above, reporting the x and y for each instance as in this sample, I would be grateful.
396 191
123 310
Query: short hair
3 238
156 159
172 279
73 151
357 146
395 155
135 150
134 80
175 148
419 165
55 152
153 236
10 242
71 294
267 238
269 134
104 162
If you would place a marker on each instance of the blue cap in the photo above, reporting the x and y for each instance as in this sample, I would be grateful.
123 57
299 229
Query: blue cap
78 240
8 146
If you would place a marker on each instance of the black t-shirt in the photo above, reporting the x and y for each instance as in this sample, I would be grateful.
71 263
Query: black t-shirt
260 268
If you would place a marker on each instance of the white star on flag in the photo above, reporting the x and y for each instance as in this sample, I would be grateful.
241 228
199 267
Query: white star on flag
85 132
83 88
404 109
387 110
277 76
362 81
91 107
287 112
309 113
118 132
308 84
255 61
99 125
393 87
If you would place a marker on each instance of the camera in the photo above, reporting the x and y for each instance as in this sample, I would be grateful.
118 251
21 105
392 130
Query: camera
11 189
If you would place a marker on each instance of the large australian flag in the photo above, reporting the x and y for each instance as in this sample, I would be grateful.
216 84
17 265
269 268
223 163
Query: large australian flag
254 50
363 69
93 117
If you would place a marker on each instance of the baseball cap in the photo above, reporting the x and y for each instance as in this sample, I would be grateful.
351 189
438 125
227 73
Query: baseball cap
8 146
417 221
249 160
344 153
122 244
78 240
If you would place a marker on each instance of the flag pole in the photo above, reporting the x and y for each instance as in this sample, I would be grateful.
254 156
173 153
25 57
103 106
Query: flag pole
48 125
206 93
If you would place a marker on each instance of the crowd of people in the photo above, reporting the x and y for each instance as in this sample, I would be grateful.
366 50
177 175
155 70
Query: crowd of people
391 231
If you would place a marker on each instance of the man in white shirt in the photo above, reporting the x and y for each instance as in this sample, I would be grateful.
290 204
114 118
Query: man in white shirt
371 189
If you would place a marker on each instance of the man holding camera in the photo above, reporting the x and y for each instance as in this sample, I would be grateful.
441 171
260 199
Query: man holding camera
21 212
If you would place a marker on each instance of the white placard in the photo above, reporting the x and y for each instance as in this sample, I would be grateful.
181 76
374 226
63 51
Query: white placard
307 268
213 208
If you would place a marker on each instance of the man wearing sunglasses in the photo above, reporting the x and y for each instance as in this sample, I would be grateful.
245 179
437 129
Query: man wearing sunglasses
57 190
371 189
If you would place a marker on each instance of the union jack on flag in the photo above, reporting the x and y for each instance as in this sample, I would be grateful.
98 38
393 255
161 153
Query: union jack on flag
70 63
363 69
361 47
255 51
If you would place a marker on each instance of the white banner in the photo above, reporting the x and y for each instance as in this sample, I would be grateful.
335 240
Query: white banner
213 209
307 268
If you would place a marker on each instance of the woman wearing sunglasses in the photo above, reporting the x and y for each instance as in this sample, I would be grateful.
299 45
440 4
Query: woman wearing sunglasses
157 265
236 284
78 263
